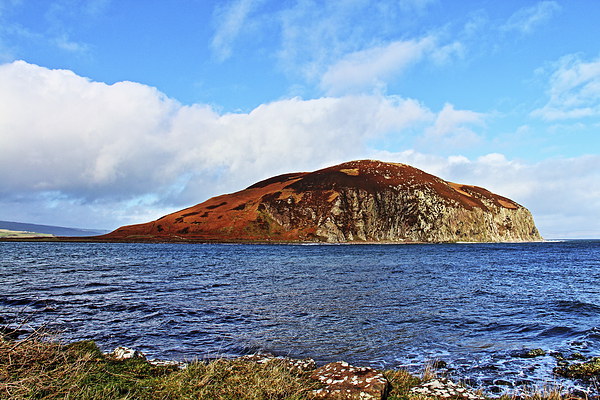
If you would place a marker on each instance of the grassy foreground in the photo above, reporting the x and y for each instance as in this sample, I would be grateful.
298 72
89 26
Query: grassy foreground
36 368
39 369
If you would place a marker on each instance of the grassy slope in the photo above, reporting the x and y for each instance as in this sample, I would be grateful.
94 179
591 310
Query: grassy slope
5 233
38 369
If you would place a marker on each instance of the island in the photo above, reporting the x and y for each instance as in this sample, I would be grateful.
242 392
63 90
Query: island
364 201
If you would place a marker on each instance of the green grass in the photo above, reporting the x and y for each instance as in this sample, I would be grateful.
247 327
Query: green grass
5 233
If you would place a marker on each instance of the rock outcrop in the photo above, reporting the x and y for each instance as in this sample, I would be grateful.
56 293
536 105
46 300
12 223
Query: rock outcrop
358 201
343 381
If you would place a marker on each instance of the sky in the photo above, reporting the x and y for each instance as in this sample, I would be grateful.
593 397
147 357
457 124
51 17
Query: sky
119 112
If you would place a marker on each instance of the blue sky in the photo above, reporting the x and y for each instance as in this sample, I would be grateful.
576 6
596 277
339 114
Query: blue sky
117 112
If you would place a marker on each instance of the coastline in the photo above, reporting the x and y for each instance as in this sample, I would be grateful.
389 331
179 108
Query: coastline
100 239
40 365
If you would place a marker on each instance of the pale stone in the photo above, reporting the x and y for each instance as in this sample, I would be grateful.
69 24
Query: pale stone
124 353
344 381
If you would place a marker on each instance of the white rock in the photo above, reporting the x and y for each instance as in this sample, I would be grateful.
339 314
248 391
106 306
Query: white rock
124 353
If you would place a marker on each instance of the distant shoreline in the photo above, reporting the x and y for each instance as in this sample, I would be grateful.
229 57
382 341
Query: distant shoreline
100 239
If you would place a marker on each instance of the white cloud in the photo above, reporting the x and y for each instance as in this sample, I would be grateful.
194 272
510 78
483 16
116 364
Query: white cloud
230 20
63 132
316 35
86 142
574 90
328 42
374 66
527 19
444 54
452 128
371 67
65 43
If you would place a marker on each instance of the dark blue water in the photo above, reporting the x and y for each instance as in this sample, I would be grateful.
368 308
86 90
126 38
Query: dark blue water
470 305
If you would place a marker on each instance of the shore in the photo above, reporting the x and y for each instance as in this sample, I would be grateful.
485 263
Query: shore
42 368
102 239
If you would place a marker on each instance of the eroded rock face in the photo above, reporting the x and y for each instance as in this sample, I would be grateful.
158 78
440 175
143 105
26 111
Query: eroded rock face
358 201
343 381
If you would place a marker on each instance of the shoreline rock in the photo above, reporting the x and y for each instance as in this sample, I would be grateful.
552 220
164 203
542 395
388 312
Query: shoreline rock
344 381
339 380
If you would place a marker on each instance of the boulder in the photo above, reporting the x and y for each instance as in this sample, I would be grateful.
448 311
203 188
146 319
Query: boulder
529 353
587 370
343 381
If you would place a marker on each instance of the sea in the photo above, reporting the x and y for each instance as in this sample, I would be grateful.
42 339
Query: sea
471 310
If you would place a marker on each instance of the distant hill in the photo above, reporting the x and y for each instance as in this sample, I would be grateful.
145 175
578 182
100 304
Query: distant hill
358 201
5 233
49 229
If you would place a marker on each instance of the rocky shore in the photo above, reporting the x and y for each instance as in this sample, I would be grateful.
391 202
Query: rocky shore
35 366
337 380
340 380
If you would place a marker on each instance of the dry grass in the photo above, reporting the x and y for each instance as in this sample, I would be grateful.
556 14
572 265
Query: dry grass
401 381
236 379
39 368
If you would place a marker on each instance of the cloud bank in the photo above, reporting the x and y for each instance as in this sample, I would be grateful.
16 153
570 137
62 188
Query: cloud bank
107 155
65 136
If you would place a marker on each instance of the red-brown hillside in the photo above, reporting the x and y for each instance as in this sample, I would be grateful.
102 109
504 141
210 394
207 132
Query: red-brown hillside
355 201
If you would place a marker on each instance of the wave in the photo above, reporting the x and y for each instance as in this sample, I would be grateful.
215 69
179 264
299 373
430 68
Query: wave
26 302
558 331
577 307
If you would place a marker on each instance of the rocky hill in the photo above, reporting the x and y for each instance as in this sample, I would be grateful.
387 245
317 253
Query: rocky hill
358 201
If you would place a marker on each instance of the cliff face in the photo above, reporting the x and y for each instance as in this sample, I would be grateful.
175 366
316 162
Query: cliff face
355 201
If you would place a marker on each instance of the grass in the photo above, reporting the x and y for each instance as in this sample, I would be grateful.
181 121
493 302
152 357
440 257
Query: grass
41 368
5 233
38 368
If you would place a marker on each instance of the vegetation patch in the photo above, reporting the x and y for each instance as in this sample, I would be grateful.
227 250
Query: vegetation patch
5 233
216 205
37 368
588 370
